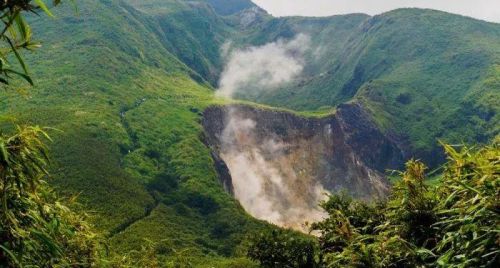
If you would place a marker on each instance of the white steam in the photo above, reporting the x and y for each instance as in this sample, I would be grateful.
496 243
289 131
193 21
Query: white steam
266 180
266 177
263 67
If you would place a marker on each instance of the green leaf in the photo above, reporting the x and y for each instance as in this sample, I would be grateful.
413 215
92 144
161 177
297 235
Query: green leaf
25 76
20 60
4 153
44 7
48 241
425 251
23 28
11 254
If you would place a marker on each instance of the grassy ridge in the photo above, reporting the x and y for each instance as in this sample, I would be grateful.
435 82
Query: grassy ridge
229 7
190 30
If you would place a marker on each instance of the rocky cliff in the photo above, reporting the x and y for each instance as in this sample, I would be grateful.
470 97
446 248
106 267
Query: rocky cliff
278 164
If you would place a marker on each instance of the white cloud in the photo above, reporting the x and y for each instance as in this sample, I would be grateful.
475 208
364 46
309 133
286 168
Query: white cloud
481 9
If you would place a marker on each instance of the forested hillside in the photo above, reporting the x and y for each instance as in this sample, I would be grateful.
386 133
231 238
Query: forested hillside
123 84
124 114
423 74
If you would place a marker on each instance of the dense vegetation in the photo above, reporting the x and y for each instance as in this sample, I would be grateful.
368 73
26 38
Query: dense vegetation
36 229
123 115
423 74
229 7
455 224
122 84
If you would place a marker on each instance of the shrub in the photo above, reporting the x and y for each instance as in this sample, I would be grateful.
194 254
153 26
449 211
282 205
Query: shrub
469 208
35 227
455 224
281 248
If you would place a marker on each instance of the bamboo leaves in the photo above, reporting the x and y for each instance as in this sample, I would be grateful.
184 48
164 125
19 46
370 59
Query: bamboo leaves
456 224
36 229
16 35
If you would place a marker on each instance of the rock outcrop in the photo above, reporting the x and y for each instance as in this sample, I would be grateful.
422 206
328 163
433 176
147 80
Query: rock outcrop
291 159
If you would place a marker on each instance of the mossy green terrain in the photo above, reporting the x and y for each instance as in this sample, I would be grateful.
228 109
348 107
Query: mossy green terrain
124 113
424 75
122 85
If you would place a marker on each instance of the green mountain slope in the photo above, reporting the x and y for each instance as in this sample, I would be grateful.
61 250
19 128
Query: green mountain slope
124 84
419 72
192 30
229 7
128 138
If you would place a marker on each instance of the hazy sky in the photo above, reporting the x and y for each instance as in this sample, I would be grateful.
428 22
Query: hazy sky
482 9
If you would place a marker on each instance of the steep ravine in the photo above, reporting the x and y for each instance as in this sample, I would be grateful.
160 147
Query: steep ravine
279 165
135 145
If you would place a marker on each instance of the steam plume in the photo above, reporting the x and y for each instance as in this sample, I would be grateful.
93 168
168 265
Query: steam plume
266 180
264 67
